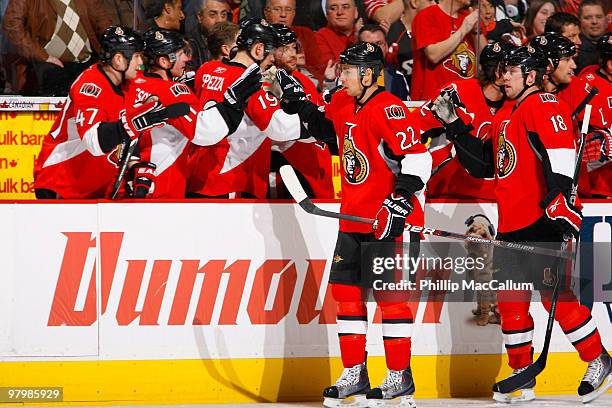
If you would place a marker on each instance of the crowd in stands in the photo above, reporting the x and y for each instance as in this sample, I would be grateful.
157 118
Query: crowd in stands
58 39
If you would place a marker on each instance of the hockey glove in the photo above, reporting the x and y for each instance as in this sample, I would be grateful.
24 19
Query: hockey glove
328 93
238 94
293 97
391 218
567 217
142 179
598 147
139 118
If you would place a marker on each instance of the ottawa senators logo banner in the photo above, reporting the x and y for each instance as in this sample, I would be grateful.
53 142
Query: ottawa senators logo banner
461 62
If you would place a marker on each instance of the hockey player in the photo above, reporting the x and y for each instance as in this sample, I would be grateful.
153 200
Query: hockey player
79 156
162 171
384 171
311 160
239 165
598 153
481 97
532 156
594 178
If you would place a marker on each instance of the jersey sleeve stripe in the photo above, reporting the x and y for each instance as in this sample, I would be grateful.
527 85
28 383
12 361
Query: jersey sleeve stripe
90 138
283 127
417 164
562 161
210 127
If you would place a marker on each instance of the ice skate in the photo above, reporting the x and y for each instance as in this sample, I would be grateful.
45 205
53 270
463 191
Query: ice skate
350 389
397 390
597 379
521 395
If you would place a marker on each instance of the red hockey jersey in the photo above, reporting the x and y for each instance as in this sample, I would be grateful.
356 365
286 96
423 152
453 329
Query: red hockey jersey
165 146
452 180
240 162
595 177
71 162
520 184
376 142
311 160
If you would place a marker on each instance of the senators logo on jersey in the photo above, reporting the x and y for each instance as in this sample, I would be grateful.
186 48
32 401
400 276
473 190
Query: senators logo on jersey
462 62
506 154
354 162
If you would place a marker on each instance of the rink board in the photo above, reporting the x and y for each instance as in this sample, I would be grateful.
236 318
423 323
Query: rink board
222 302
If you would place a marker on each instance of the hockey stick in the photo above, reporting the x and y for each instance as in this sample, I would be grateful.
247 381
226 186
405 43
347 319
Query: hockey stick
169 112
523 378
299 195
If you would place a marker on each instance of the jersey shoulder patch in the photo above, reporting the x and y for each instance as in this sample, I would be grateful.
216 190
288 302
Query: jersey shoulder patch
548 97
395 112
179 89
90 89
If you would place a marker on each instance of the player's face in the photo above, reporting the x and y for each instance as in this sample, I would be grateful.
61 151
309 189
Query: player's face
350 80
135 63
286 57
572 32
267 62
513 81
179 66
565 71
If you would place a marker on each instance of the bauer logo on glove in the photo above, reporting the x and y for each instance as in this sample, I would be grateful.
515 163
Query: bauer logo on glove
391 218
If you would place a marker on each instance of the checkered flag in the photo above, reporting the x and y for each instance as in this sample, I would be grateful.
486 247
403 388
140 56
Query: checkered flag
69 41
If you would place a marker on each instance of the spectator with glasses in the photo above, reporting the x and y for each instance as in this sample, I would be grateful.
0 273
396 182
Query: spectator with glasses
283 12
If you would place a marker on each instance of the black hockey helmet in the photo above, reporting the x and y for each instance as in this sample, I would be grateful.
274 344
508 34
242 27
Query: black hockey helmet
120 39
554 46
284 35
163 43
527 58
492 54
364 55
604 46
256 30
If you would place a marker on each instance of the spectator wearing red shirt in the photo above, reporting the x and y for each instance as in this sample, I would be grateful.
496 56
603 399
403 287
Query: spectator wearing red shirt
337 35
441 46
283 12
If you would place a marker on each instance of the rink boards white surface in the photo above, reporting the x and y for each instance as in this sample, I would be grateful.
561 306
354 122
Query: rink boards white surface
219 302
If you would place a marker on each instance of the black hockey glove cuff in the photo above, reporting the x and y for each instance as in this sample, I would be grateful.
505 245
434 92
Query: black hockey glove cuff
230 115
457 127
407 185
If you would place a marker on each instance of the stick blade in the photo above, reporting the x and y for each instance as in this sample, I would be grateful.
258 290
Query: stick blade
519 380
293 183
